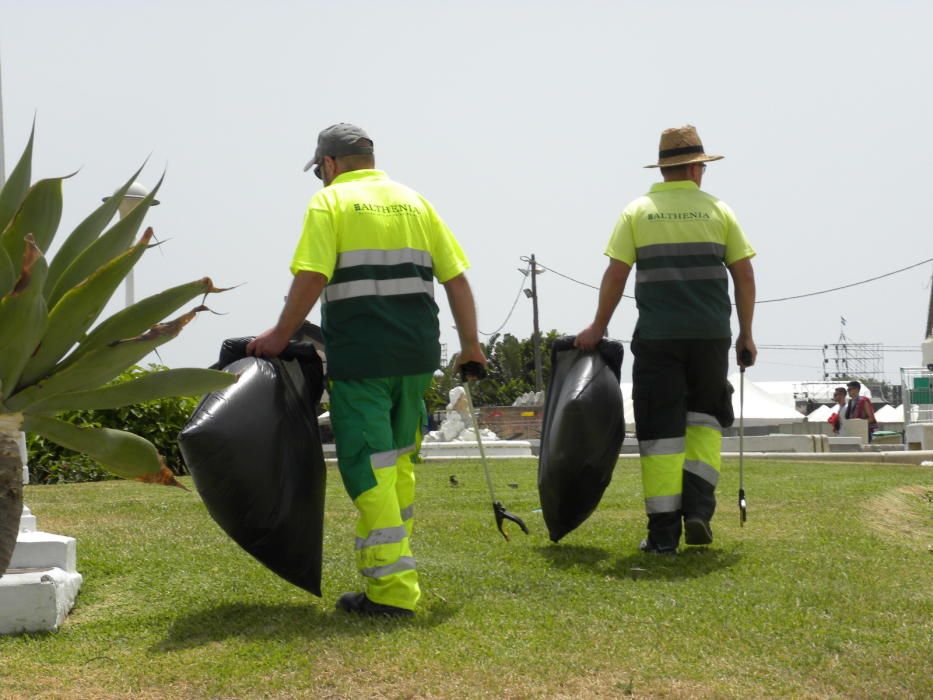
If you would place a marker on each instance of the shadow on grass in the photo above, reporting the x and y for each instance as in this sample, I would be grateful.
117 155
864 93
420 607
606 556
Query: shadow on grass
256 621
688 564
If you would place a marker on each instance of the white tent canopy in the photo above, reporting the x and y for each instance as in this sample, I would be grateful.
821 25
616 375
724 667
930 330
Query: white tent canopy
761 408
889 414
820 415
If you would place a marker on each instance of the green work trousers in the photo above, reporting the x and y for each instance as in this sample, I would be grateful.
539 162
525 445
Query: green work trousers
377 428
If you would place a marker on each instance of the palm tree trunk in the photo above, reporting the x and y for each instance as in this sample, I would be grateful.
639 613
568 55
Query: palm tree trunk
11 486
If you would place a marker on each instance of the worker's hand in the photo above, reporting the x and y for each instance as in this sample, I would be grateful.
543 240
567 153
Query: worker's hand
470 353
589 337
745 343
268 344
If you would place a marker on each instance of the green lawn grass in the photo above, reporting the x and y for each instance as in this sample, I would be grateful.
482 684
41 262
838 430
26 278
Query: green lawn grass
826 592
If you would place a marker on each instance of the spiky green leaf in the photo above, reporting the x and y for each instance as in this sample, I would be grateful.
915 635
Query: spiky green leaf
7 273
39 215
23 317
118 451
84 234
78 309
16 186
145 313
101 365
117 239
159 385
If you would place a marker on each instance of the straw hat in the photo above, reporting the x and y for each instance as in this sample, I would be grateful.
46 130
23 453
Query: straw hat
681 146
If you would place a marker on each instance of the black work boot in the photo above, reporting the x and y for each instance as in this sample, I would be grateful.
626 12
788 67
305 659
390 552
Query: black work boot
358 603
648 546
697 531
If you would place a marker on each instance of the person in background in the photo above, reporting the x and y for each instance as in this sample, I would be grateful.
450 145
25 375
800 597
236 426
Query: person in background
835 420
860 407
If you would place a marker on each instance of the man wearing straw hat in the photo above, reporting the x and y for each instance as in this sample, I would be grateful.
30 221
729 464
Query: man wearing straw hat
683 241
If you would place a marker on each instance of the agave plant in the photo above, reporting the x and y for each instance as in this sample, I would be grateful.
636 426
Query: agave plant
54 358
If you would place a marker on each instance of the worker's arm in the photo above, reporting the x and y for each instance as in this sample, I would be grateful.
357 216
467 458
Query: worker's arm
610 292
460 298
302 296
870 411
743 278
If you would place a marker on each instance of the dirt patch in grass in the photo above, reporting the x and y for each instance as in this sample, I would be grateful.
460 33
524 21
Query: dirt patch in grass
904 514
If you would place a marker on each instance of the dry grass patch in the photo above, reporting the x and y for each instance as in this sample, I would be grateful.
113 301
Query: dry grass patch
904 514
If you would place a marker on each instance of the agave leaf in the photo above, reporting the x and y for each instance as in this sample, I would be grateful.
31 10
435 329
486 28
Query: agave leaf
39 215
16 186
118 451
78 309
85 233
159 385
7 273
101 365
23 316
117 239
135 319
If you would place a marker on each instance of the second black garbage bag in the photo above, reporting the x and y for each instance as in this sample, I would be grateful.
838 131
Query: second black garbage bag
255 453
581 433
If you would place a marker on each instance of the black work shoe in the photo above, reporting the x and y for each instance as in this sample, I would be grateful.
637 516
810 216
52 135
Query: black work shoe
649 547
697 531
360 604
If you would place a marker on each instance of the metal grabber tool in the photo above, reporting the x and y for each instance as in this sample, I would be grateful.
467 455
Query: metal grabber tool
475 369
745 358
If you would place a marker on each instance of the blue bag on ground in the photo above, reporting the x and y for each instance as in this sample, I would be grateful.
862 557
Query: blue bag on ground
581 432
254 451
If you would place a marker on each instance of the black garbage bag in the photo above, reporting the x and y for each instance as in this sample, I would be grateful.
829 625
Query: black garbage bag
254 451
581 434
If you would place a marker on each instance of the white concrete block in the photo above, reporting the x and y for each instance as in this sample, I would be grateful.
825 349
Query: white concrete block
27 521
920 435
36 600
772 443
43 550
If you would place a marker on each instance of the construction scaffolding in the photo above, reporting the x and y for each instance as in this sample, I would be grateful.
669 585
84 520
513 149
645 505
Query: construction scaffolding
845 360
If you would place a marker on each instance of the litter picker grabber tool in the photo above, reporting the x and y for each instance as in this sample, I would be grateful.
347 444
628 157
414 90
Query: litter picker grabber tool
745 357
475 369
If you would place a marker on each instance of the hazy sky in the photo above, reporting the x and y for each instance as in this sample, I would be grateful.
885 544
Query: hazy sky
526 124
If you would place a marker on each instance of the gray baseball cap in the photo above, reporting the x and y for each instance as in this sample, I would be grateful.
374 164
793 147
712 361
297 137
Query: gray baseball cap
340 140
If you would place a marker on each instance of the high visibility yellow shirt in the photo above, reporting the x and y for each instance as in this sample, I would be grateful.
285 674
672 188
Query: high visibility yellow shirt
380 245
680 240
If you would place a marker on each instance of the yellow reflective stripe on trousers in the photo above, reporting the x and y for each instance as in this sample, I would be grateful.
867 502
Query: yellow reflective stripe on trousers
382 535
381 460
401 564
704 452
378 288
374 256
662 477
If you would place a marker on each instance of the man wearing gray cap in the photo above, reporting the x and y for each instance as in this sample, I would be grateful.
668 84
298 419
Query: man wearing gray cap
373 247
685 244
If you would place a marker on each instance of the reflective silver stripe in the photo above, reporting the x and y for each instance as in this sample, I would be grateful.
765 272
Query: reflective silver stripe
383 535
381 460
671 249
683 274
702 420
703 470
352 258
403 564
378 288
662 504
661 446
408 513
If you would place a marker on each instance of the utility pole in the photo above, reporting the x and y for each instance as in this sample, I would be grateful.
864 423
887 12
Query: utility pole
536 336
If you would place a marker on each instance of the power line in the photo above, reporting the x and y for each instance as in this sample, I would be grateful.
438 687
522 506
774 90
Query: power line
768 301
514 304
